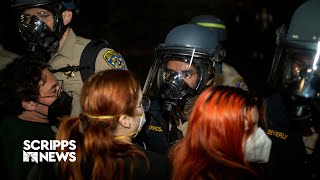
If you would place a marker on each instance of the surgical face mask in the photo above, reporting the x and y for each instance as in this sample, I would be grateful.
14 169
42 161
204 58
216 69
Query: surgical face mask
59 108
141 123
38 35
258 147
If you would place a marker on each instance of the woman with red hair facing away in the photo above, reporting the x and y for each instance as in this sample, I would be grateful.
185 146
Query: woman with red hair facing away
223 137
112 114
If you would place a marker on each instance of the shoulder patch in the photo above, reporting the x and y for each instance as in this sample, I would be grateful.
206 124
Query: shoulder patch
114 59
238 82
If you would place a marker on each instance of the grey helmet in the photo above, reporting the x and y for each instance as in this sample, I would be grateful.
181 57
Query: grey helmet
295 69
192 45
213 23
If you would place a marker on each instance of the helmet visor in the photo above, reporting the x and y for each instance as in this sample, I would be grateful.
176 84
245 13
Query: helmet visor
302 72
179 72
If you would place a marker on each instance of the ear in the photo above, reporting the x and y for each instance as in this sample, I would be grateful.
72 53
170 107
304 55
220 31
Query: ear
66 17
125 121
28 105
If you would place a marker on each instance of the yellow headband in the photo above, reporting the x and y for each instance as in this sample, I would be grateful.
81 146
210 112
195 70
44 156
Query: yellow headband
101 117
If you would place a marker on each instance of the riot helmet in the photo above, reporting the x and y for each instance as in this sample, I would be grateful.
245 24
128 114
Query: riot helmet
213 23
33 29
183 67
295 68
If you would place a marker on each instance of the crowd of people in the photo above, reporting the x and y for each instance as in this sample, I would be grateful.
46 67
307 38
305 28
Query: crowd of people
194 118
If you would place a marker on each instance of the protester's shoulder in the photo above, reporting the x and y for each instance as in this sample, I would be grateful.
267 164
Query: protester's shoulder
109 58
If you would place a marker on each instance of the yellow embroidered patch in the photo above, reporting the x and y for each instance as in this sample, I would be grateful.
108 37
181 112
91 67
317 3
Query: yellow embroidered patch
238 82
114 59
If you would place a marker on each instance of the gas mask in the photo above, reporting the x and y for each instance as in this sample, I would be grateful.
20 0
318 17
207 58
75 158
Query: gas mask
38 35
296 73
302 83
175 92
59 108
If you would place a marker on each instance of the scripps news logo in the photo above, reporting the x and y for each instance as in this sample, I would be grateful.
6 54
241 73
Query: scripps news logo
45 151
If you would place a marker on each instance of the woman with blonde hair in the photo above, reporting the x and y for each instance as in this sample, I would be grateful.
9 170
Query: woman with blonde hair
112 114
222 138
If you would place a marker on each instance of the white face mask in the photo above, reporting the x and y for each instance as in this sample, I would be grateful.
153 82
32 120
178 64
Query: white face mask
141 123
258 147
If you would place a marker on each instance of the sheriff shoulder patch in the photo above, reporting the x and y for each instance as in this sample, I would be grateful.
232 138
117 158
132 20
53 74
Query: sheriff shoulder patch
114 59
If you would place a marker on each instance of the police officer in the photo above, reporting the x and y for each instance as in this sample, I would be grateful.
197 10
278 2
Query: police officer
45 26
229 75
184 66
293 110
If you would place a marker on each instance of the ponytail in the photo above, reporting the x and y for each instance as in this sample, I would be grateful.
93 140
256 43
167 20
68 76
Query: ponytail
97 149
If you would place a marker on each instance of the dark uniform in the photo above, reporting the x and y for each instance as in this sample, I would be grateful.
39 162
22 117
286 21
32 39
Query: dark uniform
288 151
173 88
293 110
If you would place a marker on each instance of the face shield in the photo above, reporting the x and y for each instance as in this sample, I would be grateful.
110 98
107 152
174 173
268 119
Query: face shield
302 73
296 74
177 78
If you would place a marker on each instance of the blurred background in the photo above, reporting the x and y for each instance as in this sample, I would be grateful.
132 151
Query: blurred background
135 28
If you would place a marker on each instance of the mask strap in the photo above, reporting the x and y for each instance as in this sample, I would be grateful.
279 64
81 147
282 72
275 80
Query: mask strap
101 117
40 112
43 104
124 136
109 117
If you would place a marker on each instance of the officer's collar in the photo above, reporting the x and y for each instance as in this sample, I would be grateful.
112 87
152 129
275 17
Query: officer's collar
67 49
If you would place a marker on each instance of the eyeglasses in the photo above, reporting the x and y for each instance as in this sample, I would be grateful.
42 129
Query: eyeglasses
59 89
145 103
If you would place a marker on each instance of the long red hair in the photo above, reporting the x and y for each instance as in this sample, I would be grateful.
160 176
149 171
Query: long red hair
110 92
214 145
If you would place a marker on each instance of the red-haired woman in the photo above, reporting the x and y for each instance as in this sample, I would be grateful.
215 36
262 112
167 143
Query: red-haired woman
112 114
222 138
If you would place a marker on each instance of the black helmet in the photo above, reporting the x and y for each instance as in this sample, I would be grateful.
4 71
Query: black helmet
191 46
213 23
23 4
35 32
295 69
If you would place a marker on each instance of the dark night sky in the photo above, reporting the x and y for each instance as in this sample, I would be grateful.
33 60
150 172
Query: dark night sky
135 28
